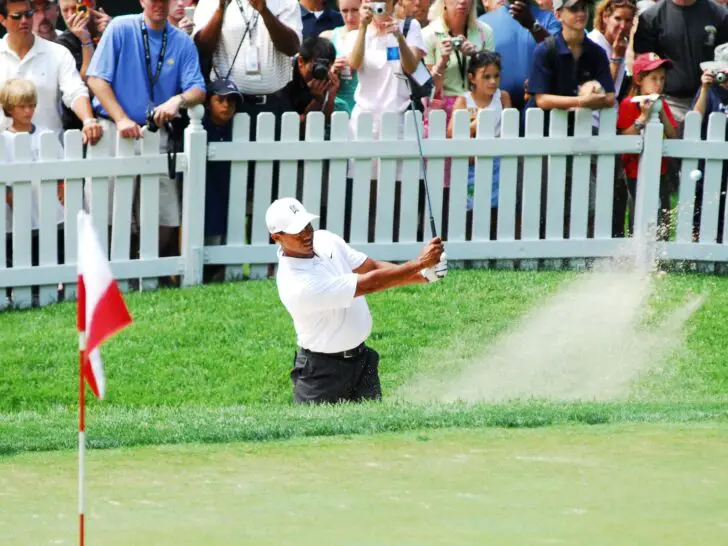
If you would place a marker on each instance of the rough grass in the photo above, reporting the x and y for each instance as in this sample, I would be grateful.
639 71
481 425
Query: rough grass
211 364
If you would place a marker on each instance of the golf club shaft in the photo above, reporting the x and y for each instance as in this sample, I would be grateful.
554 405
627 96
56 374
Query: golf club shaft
433 227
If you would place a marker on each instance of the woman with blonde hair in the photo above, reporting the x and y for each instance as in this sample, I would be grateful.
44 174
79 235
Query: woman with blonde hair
613 22
453 36
349 10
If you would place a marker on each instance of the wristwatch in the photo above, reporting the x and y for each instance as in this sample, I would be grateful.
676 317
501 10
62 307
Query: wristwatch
182 101
639 125
536 27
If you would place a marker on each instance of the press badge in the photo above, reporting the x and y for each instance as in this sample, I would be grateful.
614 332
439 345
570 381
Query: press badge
393 53
252 61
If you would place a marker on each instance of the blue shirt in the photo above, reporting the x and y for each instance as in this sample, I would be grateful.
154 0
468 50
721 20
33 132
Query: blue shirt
717 102
120 61
516 44
556 72
313 26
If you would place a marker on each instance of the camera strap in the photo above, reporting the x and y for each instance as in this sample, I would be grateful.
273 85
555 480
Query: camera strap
153 78
461 61
250 26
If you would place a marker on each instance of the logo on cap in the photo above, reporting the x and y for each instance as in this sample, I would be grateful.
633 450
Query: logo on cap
294 209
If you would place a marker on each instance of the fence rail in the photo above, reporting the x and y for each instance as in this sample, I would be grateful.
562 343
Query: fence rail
332 172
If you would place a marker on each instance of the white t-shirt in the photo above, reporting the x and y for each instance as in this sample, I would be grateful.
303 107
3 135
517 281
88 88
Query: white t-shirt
319 294
276 69
8 154
382 86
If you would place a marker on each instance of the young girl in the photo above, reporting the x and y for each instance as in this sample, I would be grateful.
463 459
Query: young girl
648 73
484 94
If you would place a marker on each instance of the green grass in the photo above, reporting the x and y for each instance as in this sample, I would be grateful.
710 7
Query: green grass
211 364
600 485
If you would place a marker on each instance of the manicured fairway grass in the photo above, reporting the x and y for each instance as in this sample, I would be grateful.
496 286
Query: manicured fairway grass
211 364
602 485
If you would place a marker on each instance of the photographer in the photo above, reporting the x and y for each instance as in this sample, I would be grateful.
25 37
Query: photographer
382 55
143 73
451 39
314 84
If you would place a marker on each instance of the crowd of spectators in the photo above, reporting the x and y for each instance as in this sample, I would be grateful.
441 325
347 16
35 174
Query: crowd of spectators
116 75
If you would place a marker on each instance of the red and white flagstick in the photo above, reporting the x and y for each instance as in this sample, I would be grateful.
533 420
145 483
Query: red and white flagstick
81 435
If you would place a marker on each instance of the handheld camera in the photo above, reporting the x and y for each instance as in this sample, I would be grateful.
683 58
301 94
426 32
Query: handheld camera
378 8
83 6
457 42
720 77
320 69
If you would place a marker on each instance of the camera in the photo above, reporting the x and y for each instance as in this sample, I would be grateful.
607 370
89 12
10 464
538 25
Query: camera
152 126
83 6
378 8
721 77
320 69
457 42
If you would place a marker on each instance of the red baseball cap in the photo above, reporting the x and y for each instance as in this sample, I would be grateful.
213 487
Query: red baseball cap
648 62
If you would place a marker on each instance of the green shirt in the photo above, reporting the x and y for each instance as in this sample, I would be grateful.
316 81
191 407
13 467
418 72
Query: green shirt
455 80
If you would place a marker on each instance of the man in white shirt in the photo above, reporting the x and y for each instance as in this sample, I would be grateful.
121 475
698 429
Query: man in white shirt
322 282
50 66
251 42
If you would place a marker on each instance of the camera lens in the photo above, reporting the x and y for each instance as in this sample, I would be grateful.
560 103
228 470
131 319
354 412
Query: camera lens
721 77
320 69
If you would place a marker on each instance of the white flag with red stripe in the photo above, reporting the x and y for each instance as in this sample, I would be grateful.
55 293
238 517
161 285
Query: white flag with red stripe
102 311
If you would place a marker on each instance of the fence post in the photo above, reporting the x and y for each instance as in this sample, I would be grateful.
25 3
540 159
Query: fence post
193 198
648 191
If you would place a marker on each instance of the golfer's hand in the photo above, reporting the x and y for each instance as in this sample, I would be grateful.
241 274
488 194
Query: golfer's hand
432 253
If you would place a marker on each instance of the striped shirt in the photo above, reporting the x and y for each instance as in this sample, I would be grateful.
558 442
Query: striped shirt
276 69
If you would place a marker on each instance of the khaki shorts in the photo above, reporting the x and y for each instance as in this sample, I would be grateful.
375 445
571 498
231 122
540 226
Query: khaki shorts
169 194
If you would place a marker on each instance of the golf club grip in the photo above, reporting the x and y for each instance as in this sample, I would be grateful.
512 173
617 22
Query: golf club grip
433 227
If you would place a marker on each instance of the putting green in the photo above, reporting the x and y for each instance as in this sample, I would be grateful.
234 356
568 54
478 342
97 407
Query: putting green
626 484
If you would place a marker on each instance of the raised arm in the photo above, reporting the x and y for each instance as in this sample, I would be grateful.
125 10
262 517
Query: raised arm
207 38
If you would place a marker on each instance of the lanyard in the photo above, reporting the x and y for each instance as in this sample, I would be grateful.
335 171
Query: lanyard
461 62
250 24
153 79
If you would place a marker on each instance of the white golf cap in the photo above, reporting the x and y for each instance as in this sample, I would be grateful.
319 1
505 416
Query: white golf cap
287 215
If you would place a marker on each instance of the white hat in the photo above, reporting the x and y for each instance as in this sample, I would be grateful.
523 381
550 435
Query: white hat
287 215
720 64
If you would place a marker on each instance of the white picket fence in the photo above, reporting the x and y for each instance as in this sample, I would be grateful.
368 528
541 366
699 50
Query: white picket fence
351 156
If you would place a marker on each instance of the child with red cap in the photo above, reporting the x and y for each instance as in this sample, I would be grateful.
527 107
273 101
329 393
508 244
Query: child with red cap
648 82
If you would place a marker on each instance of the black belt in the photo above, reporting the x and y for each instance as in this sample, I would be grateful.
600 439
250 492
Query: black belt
263 99
345 355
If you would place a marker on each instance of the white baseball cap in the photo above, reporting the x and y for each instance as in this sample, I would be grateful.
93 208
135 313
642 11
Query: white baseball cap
287 215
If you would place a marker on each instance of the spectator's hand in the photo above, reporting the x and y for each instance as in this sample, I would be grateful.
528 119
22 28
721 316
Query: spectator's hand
223 4
646 108
102 20
318 88
520 11
593 101
432 253
340 64
128 129
78 25
92 133
258 5
445 50
619 47
437 104
9 196
365 15
167 111
390 24
60 193
186 25
334 82
468 48
707 79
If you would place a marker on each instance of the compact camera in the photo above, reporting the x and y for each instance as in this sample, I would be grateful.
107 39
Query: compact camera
83 6
720 77
152 126
378 8
457 42
320 69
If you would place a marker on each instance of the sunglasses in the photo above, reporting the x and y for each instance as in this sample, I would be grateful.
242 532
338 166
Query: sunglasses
20 14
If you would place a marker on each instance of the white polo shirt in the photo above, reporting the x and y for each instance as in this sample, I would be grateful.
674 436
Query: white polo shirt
319 294
51 68
276 68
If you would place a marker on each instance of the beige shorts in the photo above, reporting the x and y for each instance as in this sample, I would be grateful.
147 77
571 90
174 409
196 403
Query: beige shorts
169 193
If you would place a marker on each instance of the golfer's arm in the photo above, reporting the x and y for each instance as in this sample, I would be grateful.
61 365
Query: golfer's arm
389 277
370 265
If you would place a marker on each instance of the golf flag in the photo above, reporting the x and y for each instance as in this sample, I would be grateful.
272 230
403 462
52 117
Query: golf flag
101 308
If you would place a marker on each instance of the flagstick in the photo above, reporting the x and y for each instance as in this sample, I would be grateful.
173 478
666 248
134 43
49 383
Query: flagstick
81 434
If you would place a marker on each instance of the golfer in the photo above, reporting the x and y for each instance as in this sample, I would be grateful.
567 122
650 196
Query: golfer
322 282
